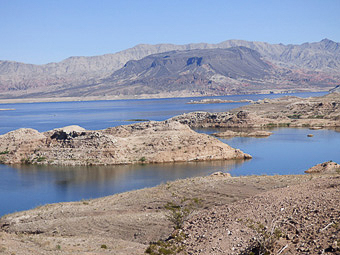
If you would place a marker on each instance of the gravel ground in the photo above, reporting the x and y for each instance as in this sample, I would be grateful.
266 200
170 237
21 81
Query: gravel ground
307 216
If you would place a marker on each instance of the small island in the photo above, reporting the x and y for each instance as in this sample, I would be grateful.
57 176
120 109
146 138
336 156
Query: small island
219 101
229 133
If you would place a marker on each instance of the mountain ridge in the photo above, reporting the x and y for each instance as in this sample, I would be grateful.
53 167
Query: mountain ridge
17 79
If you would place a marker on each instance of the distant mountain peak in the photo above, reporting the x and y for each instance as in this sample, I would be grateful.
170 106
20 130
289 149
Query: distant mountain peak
330 45
326 40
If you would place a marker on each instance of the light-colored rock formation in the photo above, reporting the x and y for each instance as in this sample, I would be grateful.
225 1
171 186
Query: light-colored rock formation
229 133
326 167
240 119
218 101
147 142
221 174
281 112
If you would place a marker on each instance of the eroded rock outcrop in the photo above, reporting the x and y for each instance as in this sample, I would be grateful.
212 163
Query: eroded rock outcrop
147 142
221 119
286 111
229 133
328 167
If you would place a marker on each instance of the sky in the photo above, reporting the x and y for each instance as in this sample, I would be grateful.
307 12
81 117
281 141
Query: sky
44 31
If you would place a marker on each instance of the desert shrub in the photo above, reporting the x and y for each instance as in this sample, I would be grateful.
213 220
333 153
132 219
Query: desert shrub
173 245
294 116
25 161
178 212
265 239
40 159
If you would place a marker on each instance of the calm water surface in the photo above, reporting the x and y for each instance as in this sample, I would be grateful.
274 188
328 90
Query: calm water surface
287 151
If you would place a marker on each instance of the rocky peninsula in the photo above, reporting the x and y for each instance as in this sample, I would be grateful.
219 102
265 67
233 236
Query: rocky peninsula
288 111
146 142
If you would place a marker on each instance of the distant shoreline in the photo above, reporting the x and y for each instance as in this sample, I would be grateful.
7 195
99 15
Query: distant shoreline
144 96
83 99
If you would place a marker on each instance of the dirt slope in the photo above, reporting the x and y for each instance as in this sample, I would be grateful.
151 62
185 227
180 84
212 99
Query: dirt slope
127 222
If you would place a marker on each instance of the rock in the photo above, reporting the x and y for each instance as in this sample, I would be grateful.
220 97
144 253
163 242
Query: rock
19 144
326 167
310 135
147 142
220 174
70 129
218 101
230 133
239 119
67 132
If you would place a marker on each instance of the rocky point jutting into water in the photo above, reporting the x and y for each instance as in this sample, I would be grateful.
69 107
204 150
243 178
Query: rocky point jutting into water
286 111
147 142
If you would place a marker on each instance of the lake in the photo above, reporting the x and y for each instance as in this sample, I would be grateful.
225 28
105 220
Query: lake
287 151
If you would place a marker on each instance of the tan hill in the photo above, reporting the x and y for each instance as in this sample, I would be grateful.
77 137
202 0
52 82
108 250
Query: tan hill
146 142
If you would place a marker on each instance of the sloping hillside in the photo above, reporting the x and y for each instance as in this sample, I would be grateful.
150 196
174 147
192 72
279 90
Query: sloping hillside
311 64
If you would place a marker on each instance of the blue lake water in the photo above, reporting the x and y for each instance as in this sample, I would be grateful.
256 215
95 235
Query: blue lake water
287 151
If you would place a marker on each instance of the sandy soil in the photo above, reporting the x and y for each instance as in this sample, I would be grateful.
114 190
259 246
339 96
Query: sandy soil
307 217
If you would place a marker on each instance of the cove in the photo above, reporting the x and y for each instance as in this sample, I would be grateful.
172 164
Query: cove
287 151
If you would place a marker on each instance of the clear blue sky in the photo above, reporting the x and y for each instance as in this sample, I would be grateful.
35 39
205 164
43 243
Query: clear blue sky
42 31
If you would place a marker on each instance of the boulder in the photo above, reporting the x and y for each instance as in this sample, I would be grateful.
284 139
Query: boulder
326 167
221 174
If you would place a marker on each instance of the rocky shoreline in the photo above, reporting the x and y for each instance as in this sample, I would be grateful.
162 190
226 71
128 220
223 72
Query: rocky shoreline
168 141
288 111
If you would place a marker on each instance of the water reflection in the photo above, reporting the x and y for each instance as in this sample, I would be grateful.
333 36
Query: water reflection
24 187
78 175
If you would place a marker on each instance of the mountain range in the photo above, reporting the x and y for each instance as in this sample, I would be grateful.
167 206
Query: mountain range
230 67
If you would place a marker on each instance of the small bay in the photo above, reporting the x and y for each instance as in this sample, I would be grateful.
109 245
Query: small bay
287 151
